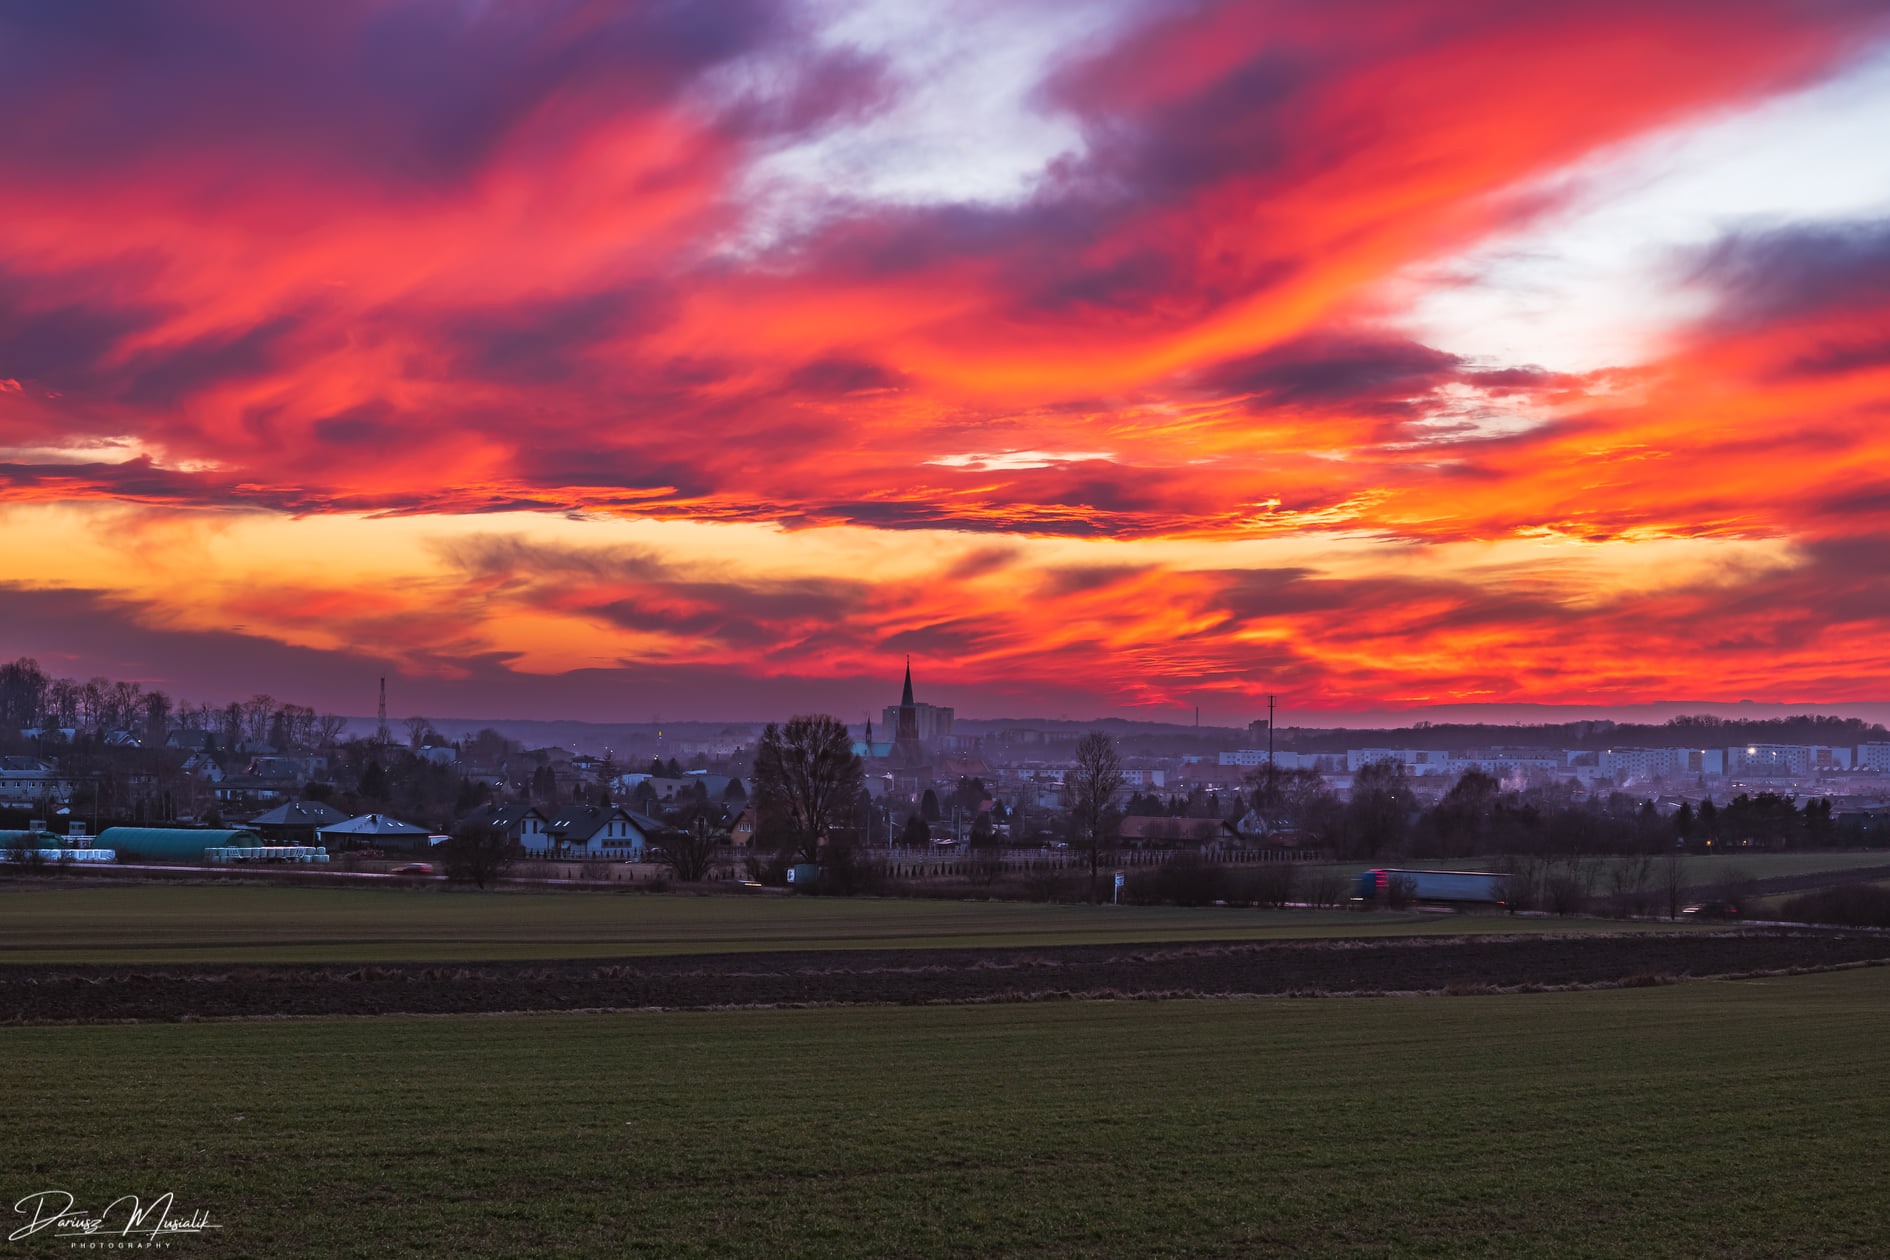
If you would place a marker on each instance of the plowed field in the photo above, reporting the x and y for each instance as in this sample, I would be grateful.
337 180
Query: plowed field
101 992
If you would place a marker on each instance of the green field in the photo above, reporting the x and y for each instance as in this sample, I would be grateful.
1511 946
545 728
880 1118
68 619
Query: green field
1701 868
1737 1119
48 922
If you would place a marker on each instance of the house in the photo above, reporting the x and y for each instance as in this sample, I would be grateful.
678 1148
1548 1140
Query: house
1161 833
377 831
716 785
295 769
663 789
26 780
295 822
742 833
200 765
247 789
606 831
524 824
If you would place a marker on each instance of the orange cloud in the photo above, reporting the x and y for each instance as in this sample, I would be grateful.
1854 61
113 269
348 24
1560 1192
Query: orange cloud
312 278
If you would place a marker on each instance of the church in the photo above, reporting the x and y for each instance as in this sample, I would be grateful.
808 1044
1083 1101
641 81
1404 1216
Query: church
908 757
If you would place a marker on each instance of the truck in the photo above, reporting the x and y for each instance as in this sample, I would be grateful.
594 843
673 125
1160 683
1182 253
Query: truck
1385 886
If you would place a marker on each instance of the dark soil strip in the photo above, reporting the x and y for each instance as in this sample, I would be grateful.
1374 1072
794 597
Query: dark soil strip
101 992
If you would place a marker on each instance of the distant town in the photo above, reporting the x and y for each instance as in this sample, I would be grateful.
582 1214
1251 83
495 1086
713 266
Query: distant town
77 758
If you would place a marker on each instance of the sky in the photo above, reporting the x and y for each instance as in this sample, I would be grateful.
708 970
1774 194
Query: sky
1104 357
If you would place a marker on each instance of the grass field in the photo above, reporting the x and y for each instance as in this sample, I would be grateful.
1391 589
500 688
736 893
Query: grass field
49 922
1737 1119
1701 869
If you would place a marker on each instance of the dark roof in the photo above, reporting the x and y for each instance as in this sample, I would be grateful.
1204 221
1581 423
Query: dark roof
375 825
506 815
300 814
581 822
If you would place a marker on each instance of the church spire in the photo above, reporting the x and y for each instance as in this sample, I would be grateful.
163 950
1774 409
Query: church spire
906 747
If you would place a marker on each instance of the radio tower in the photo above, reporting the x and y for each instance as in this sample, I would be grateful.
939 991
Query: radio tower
380 733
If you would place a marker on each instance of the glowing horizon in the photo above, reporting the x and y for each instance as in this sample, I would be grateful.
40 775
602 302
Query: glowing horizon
1110 358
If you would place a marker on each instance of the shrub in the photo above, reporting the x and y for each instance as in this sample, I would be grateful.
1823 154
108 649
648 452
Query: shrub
1183 880
1326 888
1274 883
1850 905
1051 885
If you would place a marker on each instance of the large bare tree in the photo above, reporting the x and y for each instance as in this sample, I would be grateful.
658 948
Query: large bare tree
1088 790
690 852
806 782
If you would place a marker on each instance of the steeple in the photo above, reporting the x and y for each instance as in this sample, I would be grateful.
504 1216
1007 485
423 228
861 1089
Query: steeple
906 747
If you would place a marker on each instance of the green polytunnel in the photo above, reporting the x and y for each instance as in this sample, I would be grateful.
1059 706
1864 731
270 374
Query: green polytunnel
170 844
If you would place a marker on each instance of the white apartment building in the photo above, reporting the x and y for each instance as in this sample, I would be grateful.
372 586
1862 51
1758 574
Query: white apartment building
1871 757
1786 759
1660 763
25 780
933 720
1251 757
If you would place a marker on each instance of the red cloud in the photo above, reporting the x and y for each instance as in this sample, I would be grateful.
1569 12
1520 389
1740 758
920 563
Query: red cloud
445 259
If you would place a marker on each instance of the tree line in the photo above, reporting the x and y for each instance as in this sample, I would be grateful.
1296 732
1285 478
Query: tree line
1477 815
30 698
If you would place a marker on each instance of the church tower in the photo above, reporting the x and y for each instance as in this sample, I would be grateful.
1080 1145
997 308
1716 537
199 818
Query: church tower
908 733
906 749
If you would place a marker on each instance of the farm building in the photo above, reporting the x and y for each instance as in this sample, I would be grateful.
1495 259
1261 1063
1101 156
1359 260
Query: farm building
171 844
377 831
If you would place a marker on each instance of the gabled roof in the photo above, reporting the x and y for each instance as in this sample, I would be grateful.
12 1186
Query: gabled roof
300 814
581 822
506 815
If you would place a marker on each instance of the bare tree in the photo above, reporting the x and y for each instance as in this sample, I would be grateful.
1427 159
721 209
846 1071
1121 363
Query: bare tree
690 854
22 693
1671 880
1628 881
806 781
157 717
328 729
478 854
1088 790
63 698
417 728
256 713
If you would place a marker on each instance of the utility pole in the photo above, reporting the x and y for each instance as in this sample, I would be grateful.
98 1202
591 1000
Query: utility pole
380 733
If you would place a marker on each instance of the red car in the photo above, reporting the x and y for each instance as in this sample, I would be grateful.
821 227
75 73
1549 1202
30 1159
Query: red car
413 868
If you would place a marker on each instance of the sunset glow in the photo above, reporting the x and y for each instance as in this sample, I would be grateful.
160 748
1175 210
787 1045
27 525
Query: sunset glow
600 360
